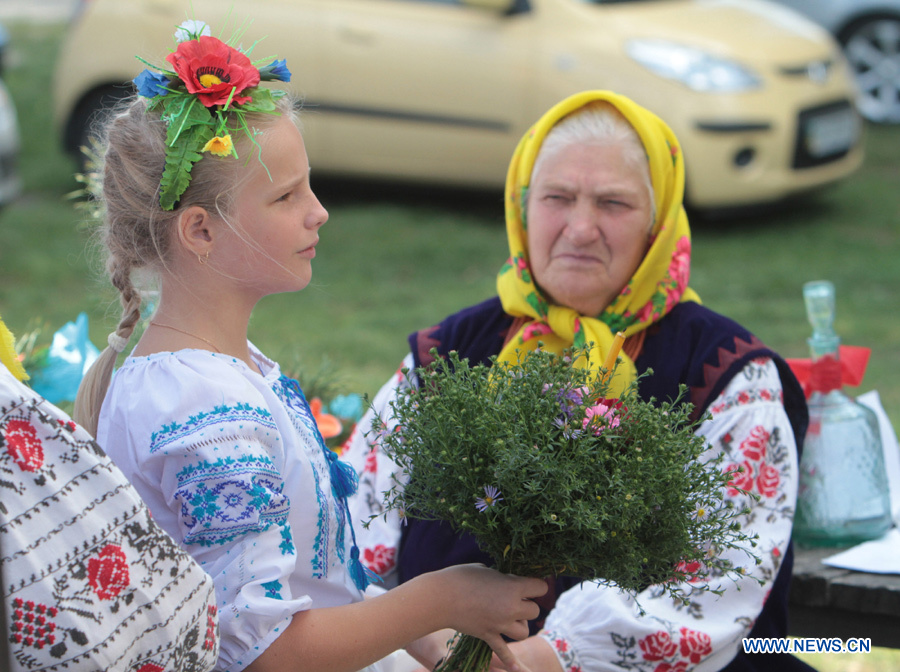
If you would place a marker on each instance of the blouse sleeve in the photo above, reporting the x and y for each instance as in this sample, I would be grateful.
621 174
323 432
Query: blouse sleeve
378 533
594 628
206 453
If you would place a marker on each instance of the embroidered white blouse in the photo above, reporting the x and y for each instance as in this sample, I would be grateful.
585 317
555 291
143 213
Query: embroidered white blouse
90 581
231 465
594 628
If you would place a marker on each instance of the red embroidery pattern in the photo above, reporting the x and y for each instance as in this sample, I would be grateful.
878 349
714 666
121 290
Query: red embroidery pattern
691 647
23 445
150 667
758 474
209 642
658 646
695 645
379 559
31 624
564 650
108 572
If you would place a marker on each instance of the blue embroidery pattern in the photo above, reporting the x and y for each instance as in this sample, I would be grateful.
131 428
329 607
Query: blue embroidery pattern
174 432
344 482
273 589
287 541
231 497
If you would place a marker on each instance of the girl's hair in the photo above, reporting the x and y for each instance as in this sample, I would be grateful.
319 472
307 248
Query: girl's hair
136 232
598 123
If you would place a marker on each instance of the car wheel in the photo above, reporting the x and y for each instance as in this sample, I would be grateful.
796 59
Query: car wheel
88 117
872 47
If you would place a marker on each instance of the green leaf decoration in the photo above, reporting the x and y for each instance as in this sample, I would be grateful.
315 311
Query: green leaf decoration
180 159
263 100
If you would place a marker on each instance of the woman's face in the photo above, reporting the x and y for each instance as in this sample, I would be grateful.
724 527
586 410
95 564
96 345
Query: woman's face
589 216
279 214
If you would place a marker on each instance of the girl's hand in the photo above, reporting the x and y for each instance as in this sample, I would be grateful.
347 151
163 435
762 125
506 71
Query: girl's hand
487 604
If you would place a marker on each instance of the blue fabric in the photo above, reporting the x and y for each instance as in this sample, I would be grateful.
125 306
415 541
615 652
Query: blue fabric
691 345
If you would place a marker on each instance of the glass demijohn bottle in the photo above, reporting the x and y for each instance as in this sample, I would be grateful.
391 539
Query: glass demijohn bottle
843 497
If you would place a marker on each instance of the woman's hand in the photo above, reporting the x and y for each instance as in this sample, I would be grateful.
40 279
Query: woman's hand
430 649
534 653
487 604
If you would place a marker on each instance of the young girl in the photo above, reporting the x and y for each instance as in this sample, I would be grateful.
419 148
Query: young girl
220 444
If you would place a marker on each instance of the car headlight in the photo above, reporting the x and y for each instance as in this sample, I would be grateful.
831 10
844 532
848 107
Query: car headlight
695 68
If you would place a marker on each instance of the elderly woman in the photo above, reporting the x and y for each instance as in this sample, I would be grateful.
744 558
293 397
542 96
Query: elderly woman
599 243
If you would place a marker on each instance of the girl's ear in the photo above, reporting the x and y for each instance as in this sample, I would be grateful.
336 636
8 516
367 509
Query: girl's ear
195 231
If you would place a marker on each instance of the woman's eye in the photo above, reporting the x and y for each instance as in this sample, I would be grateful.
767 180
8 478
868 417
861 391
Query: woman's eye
284 197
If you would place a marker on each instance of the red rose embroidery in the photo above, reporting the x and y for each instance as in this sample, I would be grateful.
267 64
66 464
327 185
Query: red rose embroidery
754 446
379 559
211 69
680 666
561 645
768 480
108 572
658 646
687 571
742 479
695 645
23 445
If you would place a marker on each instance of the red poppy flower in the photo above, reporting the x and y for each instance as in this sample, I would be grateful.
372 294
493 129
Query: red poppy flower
211 69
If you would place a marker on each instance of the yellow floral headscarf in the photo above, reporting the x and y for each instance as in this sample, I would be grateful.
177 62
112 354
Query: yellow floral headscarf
659 283
8 355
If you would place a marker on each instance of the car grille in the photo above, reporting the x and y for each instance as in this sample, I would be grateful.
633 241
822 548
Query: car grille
816 71
825 133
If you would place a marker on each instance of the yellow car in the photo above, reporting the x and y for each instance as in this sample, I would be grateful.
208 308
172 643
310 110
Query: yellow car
440 91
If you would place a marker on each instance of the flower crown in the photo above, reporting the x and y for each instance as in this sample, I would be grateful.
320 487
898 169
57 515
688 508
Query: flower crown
205 99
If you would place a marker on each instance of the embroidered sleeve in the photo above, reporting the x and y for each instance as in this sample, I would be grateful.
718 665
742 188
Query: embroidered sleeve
379 540
92 582
594 628
210 459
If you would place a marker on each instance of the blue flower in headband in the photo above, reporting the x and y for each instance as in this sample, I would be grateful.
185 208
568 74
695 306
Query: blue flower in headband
150 84
276 71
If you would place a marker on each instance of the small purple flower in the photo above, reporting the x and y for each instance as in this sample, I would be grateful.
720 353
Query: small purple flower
151 84
491 497
277 70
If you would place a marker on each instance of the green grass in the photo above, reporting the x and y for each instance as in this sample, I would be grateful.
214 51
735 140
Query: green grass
394 260
391 261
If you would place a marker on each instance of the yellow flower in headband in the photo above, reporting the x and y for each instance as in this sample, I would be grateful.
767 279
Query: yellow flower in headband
220 146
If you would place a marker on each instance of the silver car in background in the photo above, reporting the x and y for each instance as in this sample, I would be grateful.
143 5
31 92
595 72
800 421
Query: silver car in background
869 32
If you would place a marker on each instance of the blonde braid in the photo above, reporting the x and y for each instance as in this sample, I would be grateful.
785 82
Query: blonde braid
95 383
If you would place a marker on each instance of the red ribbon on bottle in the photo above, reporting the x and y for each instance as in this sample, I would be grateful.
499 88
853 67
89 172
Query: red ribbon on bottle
830 373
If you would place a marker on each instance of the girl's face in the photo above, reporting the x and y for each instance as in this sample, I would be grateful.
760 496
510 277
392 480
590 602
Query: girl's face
279 217
589 216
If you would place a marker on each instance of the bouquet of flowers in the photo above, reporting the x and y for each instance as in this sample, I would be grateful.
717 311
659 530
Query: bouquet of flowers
553 478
